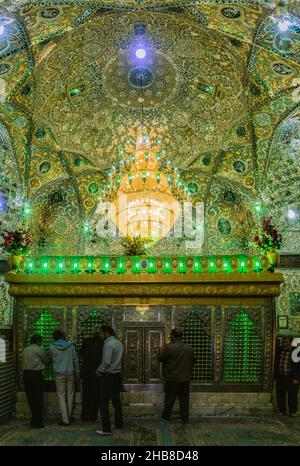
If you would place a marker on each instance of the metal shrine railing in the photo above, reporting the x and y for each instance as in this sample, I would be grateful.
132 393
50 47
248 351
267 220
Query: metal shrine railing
143 265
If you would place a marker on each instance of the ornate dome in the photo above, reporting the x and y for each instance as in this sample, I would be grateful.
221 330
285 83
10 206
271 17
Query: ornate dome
221 91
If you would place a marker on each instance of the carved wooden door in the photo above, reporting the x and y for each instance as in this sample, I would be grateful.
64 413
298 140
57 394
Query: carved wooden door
142 343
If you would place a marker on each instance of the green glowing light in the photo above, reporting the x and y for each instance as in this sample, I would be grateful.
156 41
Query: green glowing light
167 266
86 227
136 266
121 267
258 207
124 265
182 267
151 266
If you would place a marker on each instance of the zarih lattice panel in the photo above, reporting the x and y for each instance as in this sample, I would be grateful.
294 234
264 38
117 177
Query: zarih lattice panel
197 334
93 321
242 350
45 326
7 377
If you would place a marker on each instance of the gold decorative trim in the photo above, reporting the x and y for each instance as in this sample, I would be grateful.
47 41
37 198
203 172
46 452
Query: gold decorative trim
233 285
65 278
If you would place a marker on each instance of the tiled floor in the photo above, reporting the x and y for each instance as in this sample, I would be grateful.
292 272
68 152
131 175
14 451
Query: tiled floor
149 432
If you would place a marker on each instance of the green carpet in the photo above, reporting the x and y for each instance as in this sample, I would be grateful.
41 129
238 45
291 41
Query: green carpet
149 432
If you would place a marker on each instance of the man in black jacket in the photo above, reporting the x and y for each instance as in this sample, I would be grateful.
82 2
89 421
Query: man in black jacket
91 353
177 359
287 374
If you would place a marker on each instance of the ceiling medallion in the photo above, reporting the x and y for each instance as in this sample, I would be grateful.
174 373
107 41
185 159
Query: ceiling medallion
137 74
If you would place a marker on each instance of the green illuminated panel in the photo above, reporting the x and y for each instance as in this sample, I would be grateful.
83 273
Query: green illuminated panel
242 350
93 321
197 334
45 325
149 265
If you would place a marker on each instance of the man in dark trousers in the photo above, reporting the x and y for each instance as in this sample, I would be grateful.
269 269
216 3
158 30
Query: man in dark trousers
287 374
91 353
34 361
109 373
177 359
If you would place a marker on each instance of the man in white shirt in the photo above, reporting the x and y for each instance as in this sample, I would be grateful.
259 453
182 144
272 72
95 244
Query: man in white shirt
34 361
109 372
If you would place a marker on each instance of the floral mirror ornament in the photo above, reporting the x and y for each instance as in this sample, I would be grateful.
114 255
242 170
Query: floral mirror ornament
268 241
16 244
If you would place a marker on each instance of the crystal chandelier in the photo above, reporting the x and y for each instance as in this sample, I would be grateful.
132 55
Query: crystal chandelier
145 195
145 190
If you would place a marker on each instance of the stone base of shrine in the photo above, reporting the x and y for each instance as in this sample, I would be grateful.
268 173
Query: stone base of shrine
145 404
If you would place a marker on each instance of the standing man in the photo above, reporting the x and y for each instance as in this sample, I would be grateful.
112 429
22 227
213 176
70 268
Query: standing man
34 360
66 370
287 374
109 372
91 353
177 359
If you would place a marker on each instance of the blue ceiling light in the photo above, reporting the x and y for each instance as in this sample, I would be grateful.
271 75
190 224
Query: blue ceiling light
3 204
291 214
140 53
4 21
284 25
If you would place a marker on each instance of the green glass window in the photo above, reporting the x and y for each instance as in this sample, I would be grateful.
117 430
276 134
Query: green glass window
242 350
197 334
45 325
93 320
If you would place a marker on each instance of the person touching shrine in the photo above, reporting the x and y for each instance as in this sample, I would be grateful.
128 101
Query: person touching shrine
91 353
177 359
109 373
287 375
66 370
34 361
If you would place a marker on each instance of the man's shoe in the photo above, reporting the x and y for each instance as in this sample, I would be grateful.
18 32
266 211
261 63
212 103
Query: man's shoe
61 423
37 426
104 434
281 414
292 414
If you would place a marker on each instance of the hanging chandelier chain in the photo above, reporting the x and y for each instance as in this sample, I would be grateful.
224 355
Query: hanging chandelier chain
142 100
